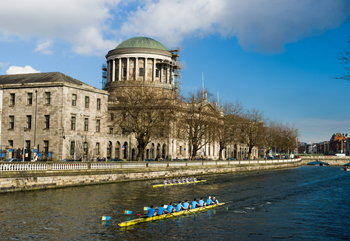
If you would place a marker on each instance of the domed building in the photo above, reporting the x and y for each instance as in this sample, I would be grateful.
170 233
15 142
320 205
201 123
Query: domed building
142 59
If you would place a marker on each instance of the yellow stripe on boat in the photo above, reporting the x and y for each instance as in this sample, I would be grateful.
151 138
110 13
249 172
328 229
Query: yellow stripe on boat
174 184
165 216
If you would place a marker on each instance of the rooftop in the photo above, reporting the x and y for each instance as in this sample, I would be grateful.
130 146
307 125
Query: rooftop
141 42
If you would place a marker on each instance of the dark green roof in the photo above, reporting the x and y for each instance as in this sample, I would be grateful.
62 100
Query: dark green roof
38 78
141 42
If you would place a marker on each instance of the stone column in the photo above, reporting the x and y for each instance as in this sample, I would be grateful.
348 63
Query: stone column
127 68
108 69
161 73
120 69
145 72
154 70
113 73
167 73
136 68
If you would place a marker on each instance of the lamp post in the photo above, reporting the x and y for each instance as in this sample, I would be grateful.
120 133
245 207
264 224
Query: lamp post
24 142
75 138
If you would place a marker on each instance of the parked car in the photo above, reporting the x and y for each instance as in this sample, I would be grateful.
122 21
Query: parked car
231 159
69 160
13 160
115 160
148 160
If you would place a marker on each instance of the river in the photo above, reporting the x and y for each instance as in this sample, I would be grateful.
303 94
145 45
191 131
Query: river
305 203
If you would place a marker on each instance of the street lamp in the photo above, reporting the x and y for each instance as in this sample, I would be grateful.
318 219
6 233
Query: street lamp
75 138
24 142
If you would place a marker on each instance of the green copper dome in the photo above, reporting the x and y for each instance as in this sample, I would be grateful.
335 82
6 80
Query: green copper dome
141 42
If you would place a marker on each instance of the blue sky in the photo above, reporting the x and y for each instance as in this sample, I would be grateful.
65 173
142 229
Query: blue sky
274 55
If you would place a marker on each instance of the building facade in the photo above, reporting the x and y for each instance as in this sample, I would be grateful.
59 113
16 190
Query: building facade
54 116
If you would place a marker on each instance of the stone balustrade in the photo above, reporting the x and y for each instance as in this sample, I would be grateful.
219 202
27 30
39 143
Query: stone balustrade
39 166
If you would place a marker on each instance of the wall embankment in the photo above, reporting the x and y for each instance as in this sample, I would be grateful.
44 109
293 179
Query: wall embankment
36 176
331 160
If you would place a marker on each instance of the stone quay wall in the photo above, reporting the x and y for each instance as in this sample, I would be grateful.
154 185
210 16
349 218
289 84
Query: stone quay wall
36 176
331 160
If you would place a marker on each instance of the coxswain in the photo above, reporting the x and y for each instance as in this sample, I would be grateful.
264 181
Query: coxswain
201 202
209 201
215 200
186 205
195 204
179 207
164 182
151 212
170 208
162 210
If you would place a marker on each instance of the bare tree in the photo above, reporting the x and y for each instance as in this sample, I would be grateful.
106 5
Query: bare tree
344 59
196 121
226 131
284 136
252 130
144 112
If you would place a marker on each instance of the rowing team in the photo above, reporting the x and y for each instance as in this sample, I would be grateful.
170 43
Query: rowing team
180 180
181 206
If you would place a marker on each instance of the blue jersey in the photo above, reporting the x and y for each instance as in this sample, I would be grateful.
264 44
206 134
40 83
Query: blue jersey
178 207
186 205
170 208
151 212
209 201
201 202
194 204
161 210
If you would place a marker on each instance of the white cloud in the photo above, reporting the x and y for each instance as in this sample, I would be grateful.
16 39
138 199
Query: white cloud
21 70
44 46
67 20
259 25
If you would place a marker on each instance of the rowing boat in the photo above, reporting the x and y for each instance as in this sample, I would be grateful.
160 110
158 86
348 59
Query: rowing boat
174 184
165 216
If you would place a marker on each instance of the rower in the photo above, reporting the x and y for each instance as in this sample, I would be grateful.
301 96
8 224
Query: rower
186 205
201 202
162 210
174 180
179 180
179 207
170 208
169 181
187 179
215 200
194 179
182 179
209 201
191 179
195 204
151 212
164 182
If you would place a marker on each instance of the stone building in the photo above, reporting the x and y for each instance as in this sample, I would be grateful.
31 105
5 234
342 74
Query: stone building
63 118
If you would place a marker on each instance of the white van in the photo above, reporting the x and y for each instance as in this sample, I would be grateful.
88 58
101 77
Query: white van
340 154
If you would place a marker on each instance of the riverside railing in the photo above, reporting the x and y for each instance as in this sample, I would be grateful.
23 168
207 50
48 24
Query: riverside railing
39 166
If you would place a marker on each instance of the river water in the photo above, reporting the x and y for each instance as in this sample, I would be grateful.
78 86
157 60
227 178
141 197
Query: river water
305 203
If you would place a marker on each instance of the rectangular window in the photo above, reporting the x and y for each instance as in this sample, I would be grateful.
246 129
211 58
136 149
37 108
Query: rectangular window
112 116
97 125
12 99
72 144
27 145
98 104
72 123
46 146
180 150
141 71
11 143
74 99
29 122
47 98
157 73
124 72
47 122
12 122
85 148
29 98
86 124
97 148
86 101
110 130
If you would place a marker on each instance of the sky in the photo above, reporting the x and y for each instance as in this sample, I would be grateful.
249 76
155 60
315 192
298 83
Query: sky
278 56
